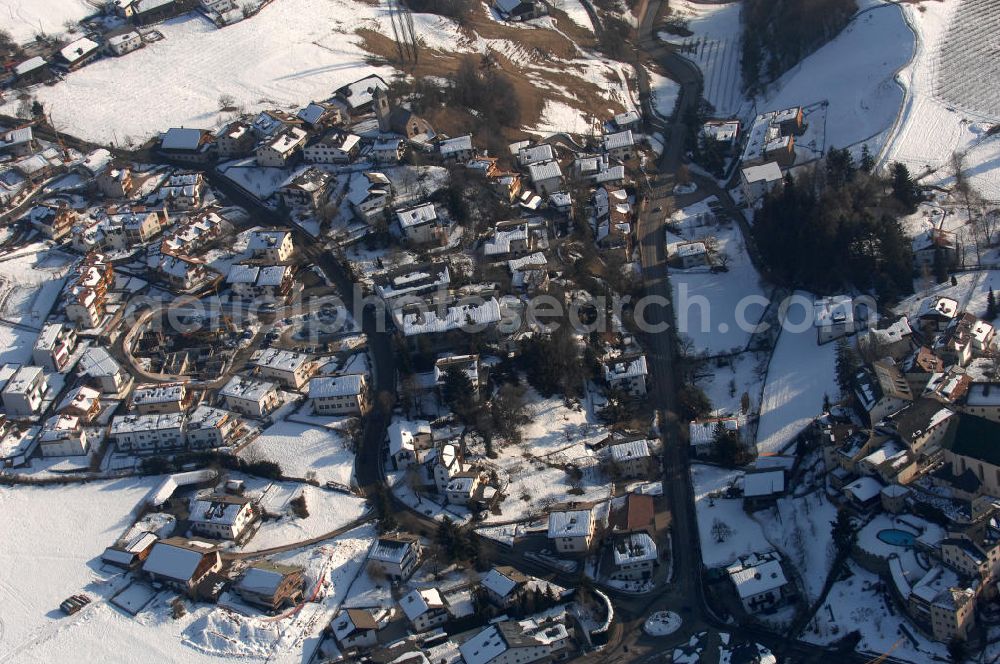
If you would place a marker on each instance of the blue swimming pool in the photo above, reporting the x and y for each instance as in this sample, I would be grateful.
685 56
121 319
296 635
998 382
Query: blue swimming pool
897 537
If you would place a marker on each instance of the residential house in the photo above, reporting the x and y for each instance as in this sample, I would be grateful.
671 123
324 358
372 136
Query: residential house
520 10
290 368
54 346
282 150
546 177
627 375
412 280
149 434
702 434
183 274
18 142
235 140
690 254
222 516
188 146
619 145
183 191
396 556
209 427
157 398
833 317
371 201
438 327
457 149
97 365
632 459
461 488
936 313
571 530
24 392
634 556
504 586
340 395
760 582
425 609
255 398
466 364
309 187
182 564
420 224
320 115
387 150
82 402
758 181
63 435
407 441
274 122
936 245
116 182
359 96
271 245
441 465
509 642
271 585
722 132
354 629
77 53
53 221
124 42
334 147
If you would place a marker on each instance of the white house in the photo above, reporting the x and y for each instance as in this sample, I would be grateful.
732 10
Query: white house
407 440
691 254
336 147
222 516
182 564
462 487
758 181
281 150
23 393
63 435
833 317
571 530
210 427
290 368
255 398
98 365
420 224
634 556
340 395
149 434
546 176
355 628
271 245
54 345
632 458
125 42
396 556
620 145
457 149
425 609
388 150
759 580
627 375
503 585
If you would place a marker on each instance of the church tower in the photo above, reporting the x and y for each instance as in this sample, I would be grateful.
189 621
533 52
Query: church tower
382 110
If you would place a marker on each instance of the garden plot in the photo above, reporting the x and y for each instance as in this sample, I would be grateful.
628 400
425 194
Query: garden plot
971 292
725 531
726 381
716 312
328 511
555 438
801 529
714 48
800 374
854 73
856 604
968 60
30 282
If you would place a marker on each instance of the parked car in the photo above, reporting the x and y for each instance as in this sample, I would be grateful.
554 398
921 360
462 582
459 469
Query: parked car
72 604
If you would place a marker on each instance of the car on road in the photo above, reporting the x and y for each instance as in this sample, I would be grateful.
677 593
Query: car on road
73 604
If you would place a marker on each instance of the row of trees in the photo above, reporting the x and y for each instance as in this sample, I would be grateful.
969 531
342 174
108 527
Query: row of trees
777 34
837 226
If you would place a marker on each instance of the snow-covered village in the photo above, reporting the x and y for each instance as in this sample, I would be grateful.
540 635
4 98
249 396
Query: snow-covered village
500 332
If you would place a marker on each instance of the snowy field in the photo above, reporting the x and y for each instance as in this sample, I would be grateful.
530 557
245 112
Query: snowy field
715 48
801 529
275 59
664 94
724 384
854 73
933 125
30 281
801 372
711 308
739 533
24 19
302 449
971 293
328 511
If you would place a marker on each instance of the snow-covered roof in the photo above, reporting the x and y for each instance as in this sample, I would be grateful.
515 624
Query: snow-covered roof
279 359
97 362
78 49
218 509
336 386
361 92
703 432
763 483
689 249
390 549
532 155
634 548
864 489
570 523
419 602
769 172
459 316
132 423
150 394
29 65
499 583
755 576
401 434
240 387
633 449
206 417
625 368
350 620
544 170
458 144
242 274
417 215
621 139
179 138
264 578
176 558
833 310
